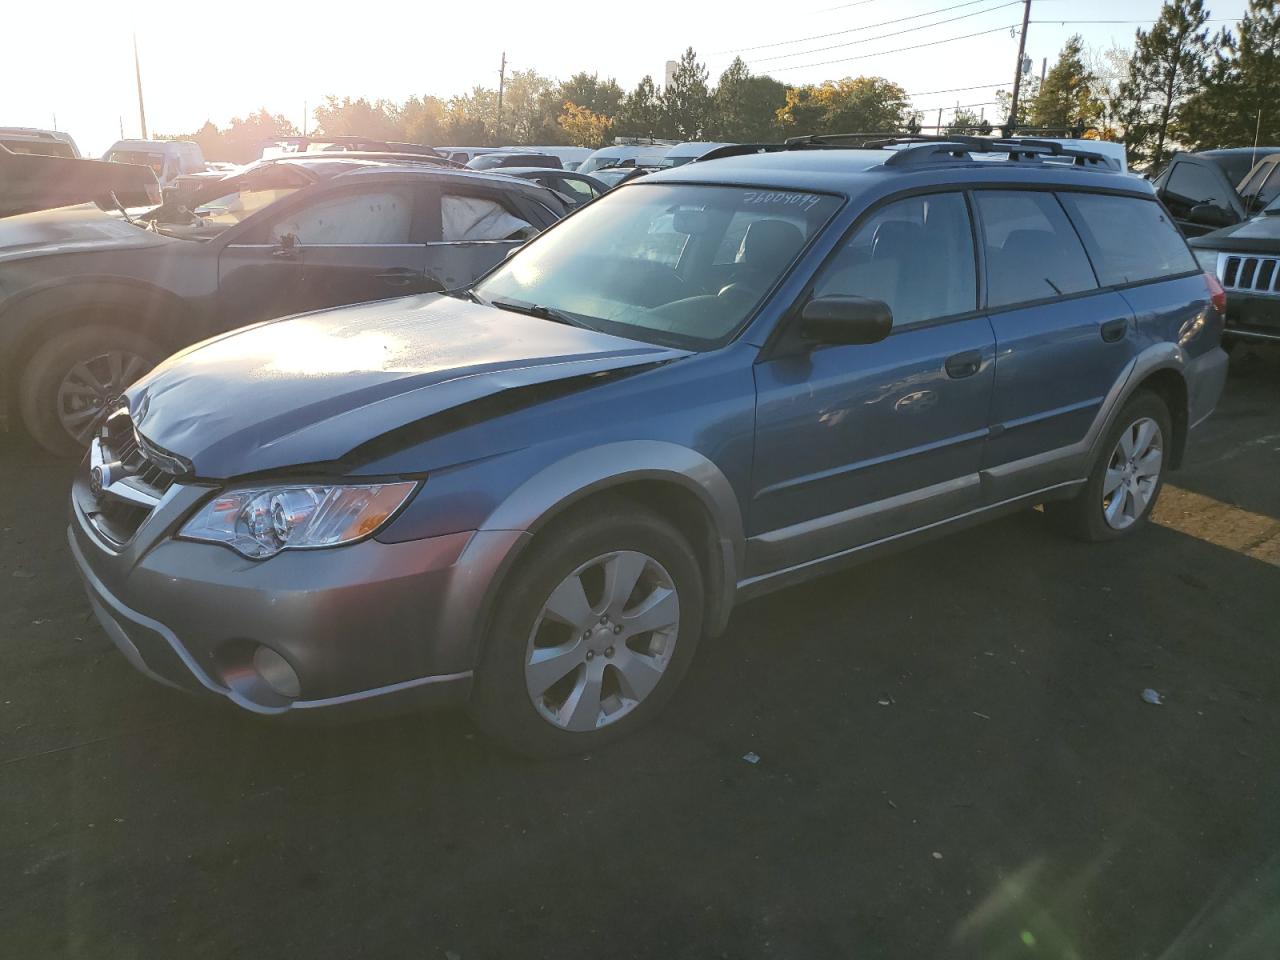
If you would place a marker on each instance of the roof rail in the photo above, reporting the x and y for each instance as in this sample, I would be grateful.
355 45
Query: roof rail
917 149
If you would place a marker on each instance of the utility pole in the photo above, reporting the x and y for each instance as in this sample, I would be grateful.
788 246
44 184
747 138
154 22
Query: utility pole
1044 69
137 70
1017 74
502 80
304 118
938 128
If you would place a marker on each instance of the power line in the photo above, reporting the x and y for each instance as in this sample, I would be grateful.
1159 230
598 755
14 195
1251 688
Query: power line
980 86
956 106
915 46
840 33
886 36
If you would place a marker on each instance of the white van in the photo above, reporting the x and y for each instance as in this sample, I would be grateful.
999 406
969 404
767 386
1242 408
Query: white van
631 155
169 159
689 151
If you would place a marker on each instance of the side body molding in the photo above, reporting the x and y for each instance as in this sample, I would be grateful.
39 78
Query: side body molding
581 474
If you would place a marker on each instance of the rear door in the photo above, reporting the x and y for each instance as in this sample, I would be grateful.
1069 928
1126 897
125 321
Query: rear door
1061 341
857 443
1192 181
470 228
347 244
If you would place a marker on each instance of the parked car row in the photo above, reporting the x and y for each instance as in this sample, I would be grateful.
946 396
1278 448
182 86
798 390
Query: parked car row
536 494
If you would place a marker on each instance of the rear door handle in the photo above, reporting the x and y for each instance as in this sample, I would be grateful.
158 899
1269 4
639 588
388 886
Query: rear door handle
399 276
1114 330
963 365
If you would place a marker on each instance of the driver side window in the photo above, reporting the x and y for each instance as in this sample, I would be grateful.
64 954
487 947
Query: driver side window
916 255
365 217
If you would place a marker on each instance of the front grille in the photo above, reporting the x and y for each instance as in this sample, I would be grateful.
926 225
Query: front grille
1249 274
137 482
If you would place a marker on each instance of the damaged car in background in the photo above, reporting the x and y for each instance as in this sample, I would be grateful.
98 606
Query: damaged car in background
93 297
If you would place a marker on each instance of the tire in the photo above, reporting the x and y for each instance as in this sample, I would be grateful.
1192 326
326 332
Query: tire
54 399
1093 514
637 672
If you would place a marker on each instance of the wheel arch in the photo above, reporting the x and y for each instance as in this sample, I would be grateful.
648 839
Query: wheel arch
674 481
1161 369
35 316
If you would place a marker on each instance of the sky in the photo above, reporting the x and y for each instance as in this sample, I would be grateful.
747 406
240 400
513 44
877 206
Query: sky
73 60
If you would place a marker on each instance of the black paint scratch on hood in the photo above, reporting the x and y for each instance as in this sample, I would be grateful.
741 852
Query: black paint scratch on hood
314 388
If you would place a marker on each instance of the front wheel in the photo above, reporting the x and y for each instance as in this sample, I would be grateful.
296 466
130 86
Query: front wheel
1126 479
594 630
70 381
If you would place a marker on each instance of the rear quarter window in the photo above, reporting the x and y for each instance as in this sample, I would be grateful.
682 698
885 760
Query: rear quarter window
1129 239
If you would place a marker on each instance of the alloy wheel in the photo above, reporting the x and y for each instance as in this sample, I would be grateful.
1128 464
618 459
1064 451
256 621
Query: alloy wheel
602 641
1133 473
90 385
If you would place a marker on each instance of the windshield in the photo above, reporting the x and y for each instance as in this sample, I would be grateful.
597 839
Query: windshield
143 158
676 263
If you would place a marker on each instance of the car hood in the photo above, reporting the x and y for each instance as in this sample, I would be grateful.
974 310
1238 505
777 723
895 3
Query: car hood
1258 235
29 182
311 389
72 230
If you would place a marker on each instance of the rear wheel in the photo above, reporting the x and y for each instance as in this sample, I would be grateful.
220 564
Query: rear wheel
70 381
1126 480
593 632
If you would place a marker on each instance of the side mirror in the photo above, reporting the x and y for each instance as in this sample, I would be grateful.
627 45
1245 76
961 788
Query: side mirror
1209 215
846 320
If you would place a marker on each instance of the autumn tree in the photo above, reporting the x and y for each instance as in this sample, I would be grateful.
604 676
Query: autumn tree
603 97
583 126
851 105
377 119
424 120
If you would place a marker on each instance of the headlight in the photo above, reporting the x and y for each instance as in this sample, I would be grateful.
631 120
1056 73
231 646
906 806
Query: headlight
1208 259
261 521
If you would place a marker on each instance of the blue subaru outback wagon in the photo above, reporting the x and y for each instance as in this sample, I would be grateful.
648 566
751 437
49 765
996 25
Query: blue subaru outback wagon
535 495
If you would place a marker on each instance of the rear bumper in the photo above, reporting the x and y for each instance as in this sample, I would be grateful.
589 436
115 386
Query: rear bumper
1206 376
392 623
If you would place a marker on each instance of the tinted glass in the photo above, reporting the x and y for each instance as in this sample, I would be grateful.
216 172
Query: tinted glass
641 262
1191 183
579 190
1032 250
1129 239
1270 188
916 255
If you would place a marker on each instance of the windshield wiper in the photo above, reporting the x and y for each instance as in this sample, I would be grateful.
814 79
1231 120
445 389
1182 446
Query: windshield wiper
539 311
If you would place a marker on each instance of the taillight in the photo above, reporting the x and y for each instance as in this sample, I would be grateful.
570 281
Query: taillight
1217 296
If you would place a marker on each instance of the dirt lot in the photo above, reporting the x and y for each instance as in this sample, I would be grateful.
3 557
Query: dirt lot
955 761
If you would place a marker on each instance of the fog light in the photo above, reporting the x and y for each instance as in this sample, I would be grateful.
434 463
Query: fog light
276 672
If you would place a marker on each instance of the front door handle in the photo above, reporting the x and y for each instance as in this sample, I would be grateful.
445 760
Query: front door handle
1113 330
399 276
963 365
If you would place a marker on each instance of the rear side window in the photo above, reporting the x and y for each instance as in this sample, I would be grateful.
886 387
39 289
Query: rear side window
1129 239
916 255
1193 184
1032 250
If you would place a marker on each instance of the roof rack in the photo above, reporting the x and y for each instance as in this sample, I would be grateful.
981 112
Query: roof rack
919 149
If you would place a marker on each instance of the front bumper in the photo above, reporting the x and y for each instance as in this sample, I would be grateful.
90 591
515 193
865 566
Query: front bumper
1253 317
369 621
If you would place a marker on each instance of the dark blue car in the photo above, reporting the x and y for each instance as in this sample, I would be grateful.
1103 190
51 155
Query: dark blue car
536 495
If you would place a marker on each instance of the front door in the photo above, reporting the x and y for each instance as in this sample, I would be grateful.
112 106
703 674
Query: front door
332 247
471 230
855 444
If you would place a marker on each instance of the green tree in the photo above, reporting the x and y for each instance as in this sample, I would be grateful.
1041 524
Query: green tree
851 105
470 118
378 119
1027 92
641 113
967 122
687 99
530 107
1237 106
745 107
587 90
1065 99
1169 66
